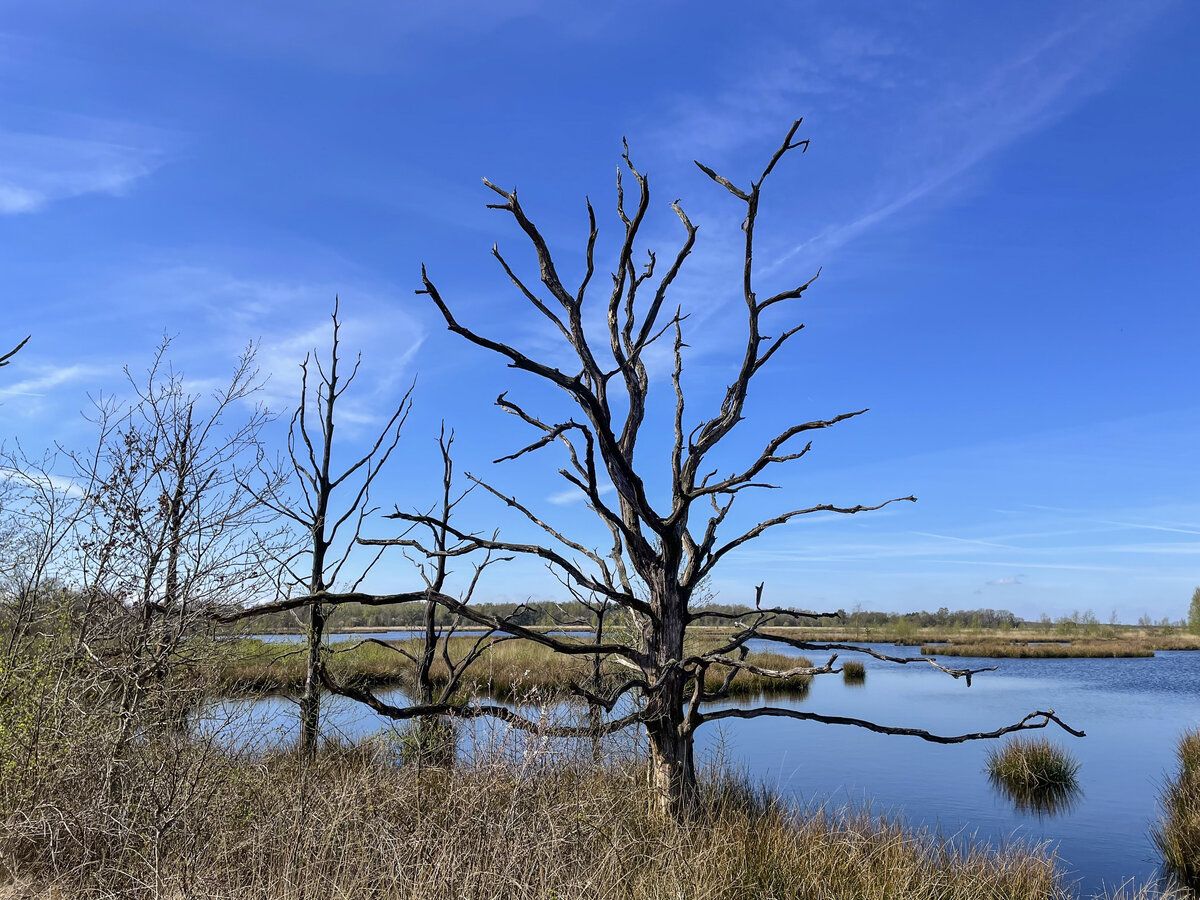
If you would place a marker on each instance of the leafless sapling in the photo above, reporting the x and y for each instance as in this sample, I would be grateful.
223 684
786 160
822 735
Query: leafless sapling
332 505
167 532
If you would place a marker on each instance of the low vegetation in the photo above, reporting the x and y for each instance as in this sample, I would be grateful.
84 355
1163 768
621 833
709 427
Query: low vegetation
510 670
1033 764
1146 639
1177 833
1000 649
191 819
854 672
1036 774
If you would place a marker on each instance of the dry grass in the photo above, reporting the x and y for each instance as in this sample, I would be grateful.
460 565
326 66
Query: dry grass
184 816
1177 833
1036 774
516 669
1033 763
1123 635
854 672
1007 649
353 824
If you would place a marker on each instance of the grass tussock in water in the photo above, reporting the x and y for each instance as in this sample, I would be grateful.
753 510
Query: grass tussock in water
1177 833
854 672
1033 763
1037 775
515 669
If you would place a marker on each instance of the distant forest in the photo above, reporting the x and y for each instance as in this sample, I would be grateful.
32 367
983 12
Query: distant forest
409 615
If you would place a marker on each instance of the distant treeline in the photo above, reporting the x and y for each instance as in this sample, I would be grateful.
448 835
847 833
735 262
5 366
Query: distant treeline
547 614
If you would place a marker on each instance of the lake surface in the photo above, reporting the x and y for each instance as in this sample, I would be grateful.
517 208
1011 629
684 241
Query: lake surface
1133 711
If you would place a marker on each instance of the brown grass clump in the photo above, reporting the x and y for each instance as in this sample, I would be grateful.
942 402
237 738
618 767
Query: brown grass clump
1177 833
1037 774
1143 639
854 672
1033 763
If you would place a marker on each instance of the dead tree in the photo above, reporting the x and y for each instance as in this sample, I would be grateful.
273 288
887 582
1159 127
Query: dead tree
6 358
435 697
321 513
667 550
434 735
658 557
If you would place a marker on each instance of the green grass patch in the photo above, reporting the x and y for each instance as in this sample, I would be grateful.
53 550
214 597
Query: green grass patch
1033 763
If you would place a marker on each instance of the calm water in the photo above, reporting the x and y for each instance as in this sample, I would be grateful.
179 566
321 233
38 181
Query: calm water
1133 711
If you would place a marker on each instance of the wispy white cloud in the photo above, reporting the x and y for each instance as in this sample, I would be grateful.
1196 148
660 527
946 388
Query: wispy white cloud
39 169
948 537
1070 567
370 37
574 495
1034 87
287 318
49 377
1153 527
1015 579
42 481
212 313
918 122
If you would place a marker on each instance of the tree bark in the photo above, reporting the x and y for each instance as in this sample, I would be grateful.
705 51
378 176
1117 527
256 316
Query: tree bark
435 735
310 700
673 769
672 761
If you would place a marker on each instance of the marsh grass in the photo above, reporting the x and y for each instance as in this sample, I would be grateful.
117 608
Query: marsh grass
1033 763
1038 775
1142 640
1177 833
511 670
854 672
531 825
190 815
1009 649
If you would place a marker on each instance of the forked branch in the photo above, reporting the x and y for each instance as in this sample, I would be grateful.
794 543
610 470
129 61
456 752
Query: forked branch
1038 719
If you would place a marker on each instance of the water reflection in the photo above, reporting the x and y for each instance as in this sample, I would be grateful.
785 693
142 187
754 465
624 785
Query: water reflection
1045 801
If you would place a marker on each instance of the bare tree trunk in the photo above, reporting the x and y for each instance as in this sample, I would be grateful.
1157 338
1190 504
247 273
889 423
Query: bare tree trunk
673 768
435 735
672 762
595 712
310 700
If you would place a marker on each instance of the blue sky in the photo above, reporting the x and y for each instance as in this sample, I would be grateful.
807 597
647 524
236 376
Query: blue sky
1002 199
